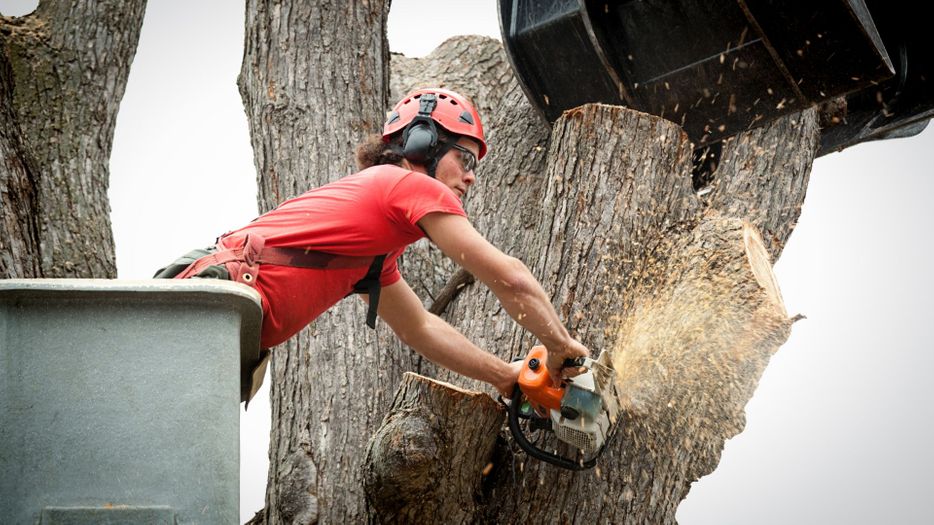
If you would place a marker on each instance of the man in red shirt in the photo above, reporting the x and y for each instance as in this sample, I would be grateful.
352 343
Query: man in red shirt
345 237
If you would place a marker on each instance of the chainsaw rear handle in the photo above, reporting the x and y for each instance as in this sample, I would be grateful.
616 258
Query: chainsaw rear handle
532 450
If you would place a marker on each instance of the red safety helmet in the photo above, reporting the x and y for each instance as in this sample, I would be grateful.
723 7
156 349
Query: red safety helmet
451 111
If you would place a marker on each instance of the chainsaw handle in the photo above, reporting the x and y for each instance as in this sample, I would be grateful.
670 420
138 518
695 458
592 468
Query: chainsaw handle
530 449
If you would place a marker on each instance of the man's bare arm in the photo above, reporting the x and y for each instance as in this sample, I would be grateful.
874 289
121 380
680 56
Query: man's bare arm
432 337
509 279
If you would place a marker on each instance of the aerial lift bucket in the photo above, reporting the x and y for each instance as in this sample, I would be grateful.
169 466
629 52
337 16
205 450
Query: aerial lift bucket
119 400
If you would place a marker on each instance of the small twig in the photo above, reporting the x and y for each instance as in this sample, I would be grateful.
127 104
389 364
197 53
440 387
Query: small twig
258 519
451 290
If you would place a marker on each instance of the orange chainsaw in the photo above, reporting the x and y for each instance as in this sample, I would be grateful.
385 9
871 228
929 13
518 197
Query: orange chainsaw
581 412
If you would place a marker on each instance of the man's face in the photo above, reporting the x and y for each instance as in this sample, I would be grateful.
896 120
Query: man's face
451 168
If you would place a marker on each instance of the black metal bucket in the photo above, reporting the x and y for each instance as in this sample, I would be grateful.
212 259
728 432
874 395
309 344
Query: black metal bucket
715 67
902 105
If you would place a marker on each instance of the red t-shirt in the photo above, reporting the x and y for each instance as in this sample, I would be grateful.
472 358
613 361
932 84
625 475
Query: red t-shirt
373 212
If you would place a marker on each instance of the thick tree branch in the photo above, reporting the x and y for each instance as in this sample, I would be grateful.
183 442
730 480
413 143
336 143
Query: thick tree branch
67 64
425 463
19 230
705 320
451 290
763 176
312 90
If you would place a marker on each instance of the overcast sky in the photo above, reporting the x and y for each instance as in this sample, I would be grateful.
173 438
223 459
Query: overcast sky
840 428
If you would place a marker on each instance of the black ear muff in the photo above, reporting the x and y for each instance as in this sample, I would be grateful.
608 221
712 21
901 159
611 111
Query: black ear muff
419 141
421 136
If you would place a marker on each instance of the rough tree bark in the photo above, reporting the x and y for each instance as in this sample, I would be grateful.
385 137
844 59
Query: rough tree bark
763 176
63 71
601 208
315 82
420 468
705 320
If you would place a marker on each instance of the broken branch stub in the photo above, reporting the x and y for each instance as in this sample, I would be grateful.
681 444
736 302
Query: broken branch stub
426 461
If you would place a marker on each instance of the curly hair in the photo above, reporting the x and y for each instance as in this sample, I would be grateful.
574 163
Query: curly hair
373 152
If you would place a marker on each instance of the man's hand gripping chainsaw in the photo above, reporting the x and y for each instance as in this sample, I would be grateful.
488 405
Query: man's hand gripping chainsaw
582 412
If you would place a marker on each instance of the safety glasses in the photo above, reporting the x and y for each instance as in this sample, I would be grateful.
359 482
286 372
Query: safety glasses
468 159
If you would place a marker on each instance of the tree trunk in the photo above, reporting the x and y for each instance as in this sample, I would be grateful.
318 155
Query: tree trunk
602 209
63 71
315 82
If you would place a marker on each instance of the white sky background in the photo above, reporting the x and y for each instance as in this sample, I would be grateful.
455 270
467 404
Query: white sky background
840 428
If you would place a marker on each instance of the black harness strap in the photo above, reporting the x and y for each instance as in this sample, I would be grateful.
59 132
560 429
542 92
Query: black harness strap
311 259
370 286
